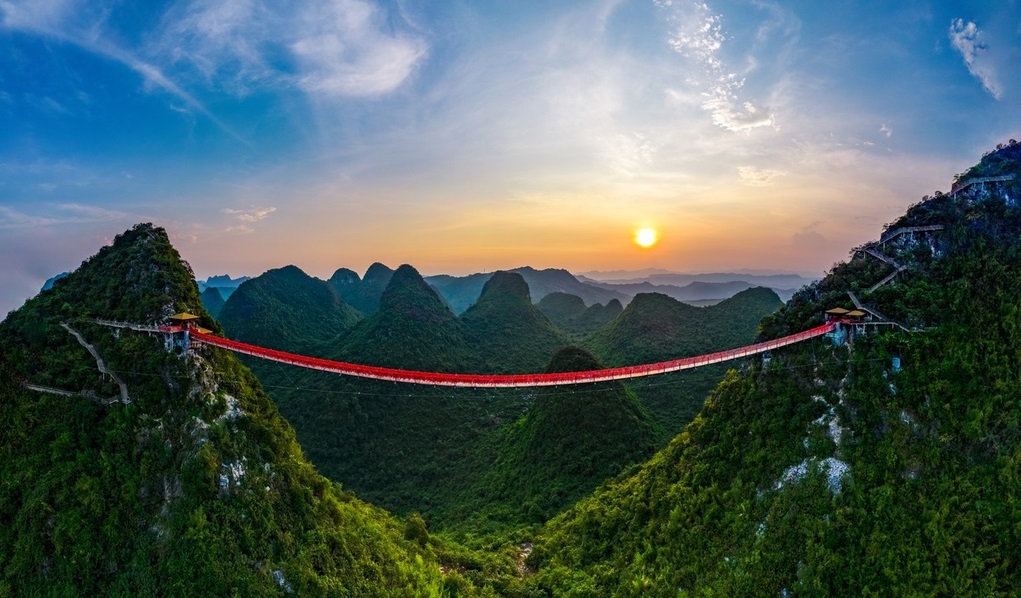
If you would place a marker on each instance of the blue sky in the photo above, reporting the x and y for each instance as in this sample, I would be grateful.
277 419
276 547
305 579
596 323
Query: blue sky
470 136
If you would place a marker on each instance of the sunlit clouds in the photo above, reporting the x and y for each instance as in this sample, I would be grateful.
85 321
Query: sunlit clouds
243 219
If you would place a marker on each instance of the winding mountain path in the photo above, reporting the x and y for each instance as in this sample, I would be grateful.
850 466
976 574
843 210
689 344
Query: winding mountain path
100 364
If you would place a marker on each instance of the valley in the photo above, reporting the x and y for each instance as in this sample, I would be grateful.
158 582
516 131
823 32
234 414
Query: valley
880 461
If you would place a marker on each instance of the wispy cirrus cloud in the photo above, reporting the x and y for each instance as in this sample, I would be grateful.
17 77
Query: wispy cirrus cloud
758 177
698 35
966 38
82 24
327 47
59 214
38 14
344 51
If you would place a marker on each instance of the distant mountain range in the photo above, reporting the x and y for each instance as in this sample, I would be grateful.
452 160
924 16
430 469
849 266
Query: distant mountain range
698 289
652 274
594 288
223 283
462 291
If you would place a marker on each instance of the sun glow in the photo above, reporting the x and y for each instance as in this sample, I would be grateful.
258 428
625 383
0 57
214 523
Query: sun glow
646 237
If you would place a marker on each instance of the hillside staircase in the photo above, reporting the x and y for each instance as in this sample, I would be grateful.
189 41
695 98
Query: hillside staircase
887 278
875 314
961 186
892 234
888 236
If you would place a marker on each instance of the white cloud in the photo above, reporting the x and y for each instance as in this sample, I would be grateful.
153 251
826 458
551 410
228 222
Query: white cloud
37 14
253 214
329 47
967 39
758 177
344 51
886 130
699 36
629 154
223 40
85 213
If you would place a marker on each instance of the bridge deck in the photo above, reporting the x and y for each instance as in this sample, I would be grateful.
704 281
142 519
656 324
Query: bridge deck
507 380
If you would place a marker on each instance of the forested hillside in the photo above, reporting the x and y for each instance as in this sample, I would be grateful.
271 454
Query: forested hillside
212 300
837 470
285 308
362 293
428 449
131 469
570 313
654 327
569 441
508 332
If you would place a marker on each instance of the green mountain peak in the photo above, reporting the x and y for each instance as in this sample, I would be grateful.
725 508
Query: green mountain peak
132 468
506 284
408 294
507 330
378 273
344 277
287 309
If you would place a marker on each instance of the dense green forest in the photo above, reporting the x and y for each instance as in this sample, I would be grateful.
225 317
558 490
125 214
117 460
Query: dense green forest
286 308
365 293
654 327
566 444
508 332
829 470
570 313
213 301
438 451
141 471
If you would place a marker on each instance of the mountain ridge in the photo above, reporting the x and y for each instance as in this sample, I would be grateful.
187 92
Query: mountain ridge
191 483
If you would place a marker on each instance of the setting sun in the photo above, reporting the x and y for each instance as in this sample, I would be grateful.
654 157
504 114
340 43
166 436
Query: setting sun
646 237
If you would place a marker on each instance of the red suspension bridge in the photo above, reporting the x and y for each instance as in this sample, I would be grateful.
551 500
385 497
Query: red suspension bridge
496 380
